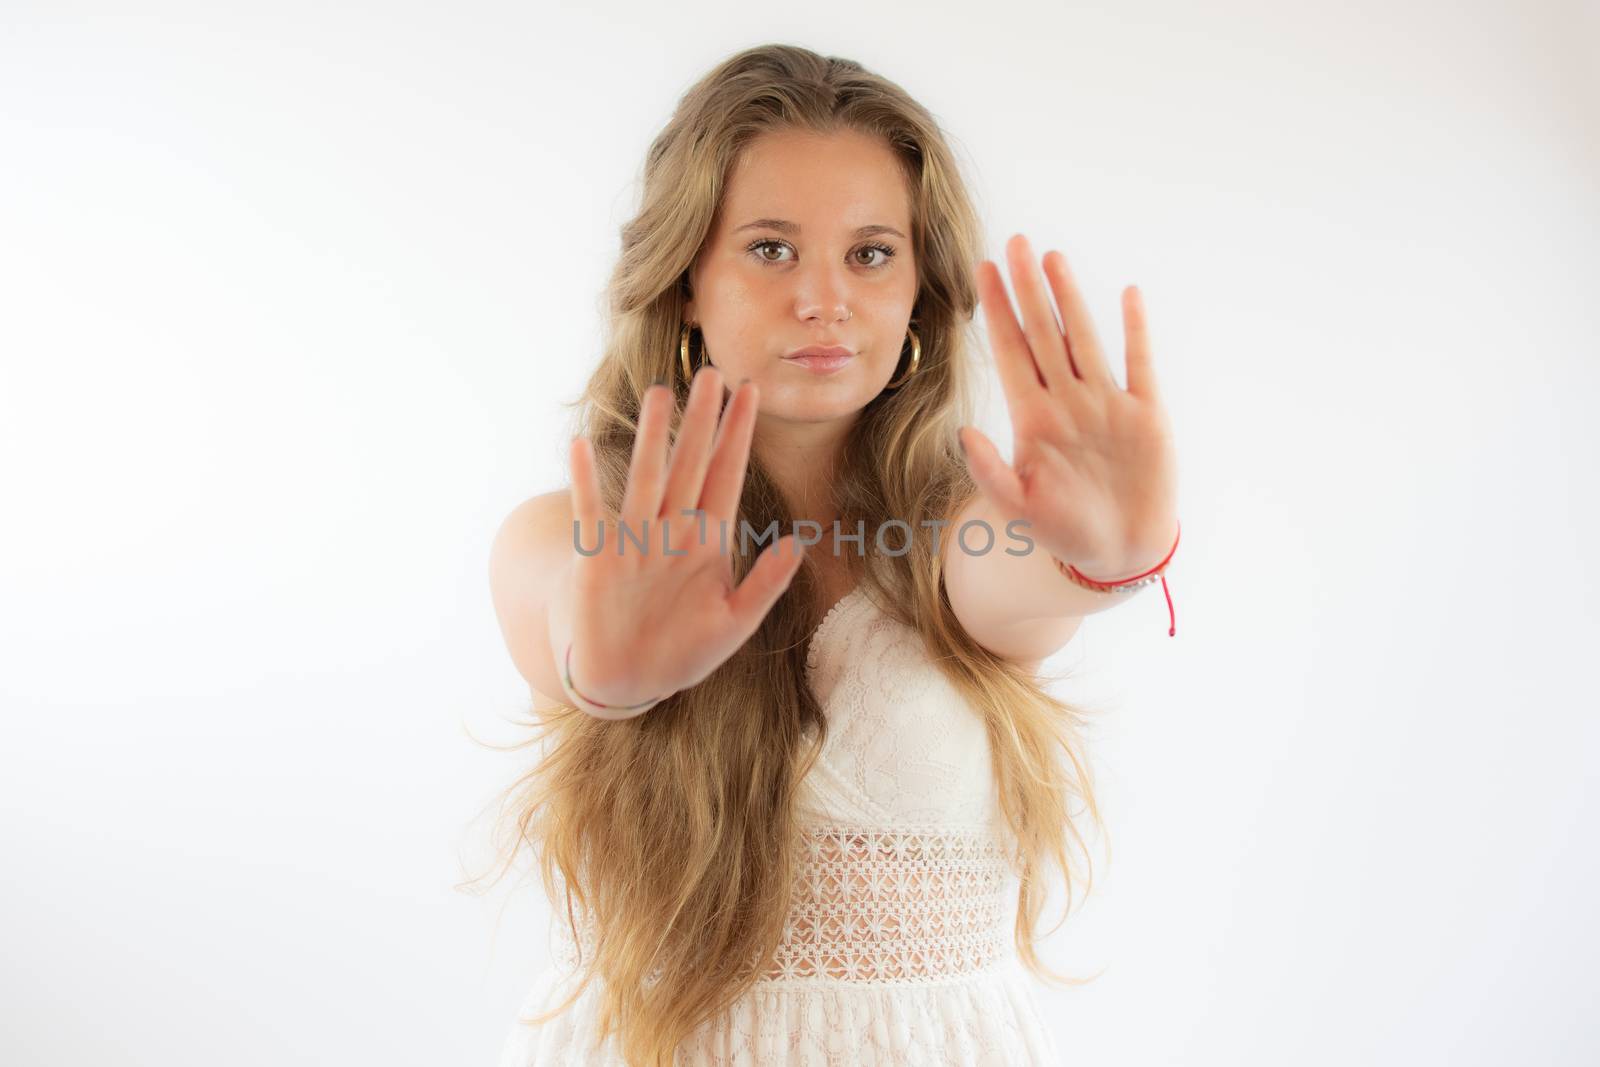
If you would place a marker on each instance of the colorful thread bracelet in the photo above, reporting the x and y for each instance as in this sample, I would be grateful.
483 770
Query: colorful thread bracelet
567 677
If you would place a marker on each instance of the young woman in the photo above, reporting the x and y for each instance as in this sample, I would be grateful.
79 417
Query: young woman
797 797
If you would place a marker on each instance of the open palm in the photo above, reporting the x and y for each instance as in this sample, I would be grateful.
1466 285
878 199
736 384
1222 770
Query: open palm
1094 469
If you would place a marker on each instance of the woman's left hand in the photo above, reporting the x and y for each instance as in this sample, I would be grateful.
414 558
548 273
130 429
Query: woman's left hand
1094 469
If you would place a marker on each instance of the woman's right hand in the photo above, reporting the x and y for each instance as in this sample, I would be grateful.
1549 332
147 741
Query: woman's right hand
647 623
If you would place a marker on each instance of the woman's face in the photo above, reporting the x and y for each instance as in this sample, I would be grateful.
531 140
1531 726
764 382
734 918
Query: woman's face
811 246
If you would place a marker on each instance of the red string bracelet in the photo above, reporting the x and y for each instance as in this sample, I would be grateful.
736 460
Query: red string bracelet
1138 581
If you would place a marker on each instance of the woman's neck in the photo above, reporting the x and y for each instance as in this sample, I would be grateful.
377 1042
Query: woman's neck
802 459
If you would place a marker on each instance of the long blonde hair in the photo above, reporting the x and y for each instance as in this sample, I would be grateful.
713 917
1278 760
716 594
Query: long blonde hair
672 834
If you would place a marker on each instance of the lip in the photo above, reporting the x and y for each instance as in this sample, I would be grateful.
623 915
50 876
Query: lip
820 350
820 359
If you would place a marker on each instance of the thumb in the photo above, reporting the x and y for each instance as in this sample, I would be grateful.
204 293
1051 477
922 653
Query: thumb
993 474
765 583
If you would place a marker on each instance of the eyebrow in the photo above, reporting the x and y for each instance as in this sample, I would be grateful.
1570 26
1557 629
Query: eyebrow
793 228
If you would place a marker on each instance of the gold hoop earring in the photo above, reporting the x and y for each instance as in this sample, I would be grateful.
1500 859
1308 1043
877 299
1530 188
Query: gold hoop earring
916 356
683 354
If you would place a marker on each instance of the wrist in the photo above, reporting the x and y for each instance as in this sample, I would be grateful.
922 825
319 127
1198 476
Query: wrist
1144 560
612 706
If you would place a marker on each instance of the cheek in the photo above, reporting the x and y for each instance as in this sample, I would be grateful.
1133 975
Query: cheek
736 347
739 300
897 296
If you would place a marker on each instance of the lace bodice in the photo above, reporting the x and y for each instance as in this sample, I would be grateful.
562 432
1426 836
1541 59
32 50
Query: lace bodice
894 905
905 871
904 748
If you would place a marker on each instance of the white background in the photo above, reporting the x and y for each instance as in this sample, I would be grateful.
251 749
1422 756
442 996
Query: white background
291 293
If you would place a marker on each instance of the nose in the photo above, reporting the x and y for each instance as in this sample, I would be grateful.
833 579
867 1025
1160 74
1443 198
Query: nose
822 293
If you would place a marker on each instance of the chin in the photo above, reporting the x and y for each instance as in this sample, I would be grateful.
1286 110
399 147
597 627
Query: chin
816 404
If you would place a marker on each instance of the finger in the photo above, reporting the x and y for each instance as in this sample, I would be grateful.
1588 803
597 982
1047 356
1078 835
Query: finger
1141 372
1039 323
692 452
587 510
992 473
1019 377
730 455
774 569
641 501
1082 344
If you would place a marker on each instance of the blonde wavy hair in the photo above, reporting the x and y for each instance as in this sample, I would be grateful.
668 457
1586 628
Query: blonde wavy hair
670 838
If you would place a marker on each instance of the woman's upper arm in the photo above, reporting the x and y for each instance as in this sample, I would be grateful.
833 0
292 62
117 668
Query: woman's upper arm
530 548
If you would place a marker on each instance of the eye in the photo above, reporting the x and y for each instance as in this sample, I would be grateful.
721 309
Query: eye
756 248
888 254
767 243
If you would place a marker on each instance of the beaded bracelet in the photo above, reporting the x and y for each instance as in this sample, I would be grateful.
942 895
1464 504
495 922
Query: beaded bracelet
1138 581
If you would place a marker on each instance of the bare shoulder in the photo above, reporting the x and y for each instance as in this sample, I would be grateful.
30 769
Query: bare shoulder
529 548
533 521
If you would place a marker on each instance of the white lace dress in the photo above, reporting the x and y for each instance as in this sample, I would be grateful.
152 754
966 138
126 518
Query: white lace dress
898 949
